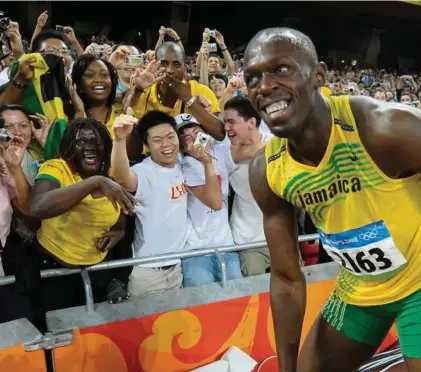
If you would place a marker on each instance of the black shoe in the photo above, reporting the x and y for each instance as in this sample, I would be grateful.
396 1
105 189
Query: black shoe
117 292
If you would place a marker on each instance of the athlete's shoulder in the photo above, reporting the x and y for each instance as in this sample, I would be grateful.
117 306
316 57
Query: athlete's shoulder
389 128
382 116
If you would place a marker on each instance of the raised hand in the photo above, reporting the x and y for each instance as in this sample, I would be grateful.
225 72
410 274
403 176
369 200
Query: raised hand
25 71
207 105
116 194
149 76
42 20
70 35
41 134
181 89
123 125
118 57
200 152
14 153
77 102
219 38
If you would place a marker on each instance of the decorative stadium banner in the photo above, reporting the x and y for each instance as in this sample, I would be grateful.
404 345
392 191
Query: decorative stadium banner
181 340
16 359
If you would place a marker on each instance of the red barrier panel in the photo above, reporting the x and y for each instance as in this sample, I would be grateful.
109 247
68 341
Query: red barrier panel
181 340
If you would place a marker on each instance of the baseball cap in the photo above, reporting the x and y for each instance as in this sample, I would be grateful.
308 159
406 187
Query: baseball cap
185 119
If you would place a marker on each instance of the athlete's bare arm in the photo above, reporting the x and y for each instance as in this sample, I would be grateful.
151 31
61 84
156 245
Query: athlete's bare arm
287 282
391 133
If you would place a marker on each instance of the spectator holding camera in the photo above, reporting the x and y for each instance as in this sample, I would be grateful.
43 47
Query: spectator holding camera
212 60
206 177
14 191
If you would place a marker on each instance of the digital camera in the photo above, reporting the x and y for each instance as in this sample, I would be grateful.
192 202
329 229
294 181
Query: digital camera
62 29
5 136
136 60
212 33
4 22
202 139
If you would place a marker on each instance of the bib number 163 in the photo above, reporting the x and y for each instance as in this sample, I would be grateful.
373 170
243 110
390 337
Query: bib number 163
363 261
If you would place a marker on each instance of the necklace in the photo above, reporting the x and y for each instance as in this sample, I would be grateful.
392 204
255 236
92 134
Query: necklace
89 115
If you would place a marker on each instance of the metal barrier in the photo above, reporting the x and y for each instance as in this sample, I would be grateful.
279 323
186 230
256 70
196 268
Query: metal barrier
144 260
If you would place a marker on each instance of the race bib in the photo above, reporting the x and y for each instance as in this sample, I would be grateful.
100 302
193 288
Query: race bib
367 250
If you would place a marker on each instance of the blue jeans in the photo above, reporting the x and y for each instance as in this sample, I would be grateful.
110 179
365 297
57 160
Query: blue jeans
206 269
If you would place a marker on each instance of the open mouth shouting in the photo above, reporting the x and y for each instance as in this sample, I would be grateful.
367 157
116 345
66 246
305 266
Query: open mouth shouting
90 158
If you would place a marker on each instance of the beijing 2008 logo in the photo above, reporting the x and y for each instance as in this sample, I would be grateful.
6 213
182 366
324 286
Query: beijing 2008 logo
371 234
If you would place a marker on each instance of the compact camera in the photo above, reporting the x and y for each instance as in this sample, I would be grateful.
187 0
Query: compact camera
62 29
4 22
5 136
136 60
202 139
212 33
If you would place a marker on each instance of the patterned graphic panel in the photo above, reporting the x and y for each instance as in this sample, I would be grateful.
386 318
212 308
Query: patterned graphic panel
181 340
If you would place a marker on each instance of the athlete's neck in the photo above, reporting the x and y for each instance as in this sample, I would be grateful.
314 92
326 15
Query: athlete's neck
310 144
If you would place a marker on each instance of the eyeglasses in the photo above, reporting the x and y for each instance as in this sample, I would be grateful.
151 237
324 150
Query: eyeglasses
56 51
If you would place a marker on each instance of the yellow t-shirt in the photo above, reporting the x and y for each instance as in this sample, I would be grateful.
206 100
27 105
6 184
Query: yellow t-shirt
148 101
116 110
326 91
70 237
368 222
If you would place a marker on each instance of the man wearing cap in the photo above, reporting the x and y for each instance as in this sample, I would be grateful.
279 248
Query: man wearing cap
207 203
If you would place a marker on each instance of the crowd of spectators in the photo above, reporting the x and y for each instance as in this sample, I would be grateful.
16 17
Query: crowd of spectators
108 152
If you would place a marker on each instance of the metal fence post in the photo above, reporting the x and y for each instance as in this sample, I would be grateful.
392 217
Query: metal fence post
87 286
223 266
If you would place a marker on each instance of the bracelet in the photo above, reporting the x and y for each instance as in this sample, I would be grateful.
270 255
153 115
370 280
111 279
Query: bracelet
178 40
223 50
18 85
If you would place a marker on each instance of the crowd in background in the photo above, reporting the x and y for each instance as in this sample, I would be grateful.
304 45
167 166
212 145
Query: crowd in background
108 152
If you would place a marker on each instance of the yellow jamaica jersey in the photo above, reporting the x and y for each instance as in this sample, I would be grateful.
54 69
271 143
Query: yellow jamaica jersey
71 236
368 222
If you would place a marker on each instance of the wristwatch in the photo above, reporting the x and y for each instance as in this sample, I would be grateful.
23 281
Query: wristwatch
190 102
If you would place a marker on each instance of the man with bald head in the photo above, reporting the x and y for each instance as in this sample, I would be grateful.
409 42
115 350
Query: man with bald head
175 95
353 164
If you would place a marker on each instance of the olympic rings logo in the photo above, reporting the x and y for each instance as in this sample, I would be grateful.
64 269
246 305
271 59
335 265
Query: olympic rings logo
369 234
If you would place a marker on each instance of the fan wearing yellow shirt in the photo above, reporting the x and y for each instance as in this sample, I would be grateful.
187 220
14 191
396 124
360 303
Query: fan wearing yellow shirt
353 164
173 94
93 90
79 208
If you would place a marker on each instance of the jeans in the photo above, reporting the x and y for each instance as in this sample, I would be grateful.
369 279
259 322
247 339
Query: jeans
206 269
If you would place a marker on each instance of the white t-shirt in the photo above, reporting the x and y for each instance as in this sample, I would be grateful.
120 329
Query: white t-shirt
263 128
162 223
4 76
246 218
210 227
